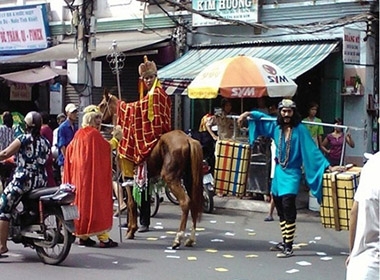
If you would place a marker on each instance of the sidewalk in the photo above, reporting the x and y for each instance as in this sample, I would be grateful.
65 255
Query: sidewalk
250 204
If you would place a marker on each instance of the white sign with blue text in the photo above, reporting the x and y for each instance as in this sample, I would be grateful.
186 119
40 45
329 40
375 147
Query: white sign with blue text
23 29
235 10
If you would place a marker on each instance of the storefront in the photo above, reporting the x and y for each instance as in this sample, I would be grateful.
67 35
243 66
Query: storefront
134 45
295 58
307 42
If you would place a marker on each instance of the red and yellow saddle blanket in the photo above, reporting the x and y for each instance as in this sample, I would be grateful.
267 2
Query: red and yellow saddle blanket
143 122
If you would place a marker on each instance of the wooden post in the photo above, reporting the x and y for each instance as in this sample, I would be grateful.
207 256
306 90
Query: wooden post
334 193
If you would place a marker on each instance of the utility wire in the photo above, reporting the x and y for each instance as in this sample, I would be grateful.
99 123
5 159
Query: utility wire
307 28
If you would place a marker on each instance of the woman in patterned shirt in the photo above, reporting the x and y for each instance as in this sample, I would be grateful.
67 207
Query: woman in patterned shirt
31 152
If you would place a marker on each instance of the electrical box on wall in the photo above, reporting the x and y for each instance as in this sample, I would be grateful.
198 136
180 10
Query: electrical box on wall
97 73
77 71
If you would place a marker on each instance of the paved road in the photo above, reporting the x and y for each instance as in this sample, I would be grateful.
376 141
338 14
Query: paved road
231 244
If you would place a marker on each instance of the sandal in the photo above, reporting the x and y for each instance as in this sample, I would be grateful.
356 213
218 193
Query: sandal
269 219
109 244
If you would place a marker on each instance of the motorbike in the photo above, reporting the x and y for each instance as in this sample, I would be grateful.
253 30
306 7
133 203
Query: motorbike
6 170
44 221
208 189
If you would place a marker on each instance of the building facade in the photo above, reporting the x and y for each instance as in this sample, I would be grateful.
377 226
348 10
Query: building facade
323 44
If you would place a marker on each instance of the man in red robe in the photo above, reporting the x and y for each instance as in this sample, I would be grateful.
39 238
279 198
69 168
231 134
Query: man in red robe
143 123
88 167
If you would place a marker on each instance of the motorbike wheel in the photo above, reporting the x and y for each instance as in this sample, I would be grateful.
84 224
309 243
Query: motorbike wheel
208 200
171 197
55 248
154 203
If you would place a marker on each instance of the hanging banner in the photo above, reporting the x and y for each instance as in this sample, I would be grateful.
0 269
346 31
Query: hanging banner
20 92
351 46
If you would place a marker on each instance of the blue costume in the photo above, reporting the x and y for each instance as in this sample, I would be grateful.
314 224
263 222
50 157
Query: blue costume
303 152
292 154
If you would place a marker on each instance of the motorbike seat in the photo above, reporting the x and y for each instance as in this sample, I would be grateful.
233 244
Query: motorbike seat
37 193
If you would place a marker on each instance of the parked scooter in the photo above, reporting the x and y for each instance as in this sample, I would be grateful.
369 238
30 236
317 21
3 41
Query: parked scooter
44 221
208 190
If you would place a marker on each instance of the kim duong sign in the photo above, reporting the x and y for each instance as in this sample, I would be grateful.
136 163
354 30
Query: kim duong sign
239 10
24 29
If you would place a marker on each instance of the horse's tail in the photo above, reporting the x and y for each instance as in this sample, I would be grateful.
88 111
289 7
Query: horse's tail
196 157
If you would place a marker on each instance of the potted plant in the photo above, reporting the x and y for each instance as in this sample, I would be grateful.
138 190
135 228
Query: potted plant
357 84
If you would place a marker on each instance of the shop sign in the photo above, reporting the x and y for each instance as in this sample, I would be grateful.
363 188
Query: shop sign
23 29
351 46
239 10
20 92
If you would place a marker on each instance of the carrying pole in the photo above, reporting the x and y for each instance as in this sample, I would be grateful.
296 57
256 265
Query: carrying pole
344 127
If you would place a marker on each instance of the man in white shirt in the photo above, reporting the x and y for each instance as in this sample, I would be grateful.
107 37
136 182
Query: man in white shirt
364 259
60 119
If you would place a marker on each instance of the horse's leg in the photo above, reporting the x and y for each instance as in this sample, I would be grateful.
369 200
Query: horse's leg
132 214
194 214
196 157
192 239
184 202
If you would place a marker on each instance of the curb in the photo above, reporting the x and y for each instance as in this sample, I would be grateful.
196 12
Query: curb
241 204
236 203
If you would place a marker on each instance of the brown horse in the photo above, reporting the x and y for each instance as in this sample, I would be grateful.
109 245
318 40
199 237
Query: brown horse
176 156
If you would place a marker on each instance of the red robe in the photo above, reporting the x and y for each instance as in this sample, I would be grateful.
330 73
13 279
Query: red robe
140 130
88 167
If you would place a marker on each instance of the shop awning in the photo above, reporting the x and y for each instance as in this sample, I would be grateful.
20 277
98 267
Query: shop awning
295 58
32 76
126 41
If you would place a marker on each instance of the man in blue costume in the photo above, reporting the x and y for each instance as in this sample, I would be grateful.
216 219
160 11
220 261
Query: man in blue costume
295 149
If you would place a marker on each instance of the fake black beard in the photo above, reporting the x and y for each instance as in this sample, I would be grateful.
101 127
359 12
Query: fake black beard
281 121
294 120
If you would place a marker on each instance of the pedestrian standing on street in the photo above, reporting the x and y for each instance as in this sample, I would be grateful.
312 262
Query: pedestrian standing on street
294 148
363 263
272 111
60 119
6 130
31 152
66 132
316 131
47 132
225 125
88 168
332 145
54 149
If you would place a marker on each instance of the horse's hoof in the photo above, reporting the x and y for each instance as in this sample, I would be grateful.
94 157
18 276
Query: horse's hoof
175 246
130 236
189 243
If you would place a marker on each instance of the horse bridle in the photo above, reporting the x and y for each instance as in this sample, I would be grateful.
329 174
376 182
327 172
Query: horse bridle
107 106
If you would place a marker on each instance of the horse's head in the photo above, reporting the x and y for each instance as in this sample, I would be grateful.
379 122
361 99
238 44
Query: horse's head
108 107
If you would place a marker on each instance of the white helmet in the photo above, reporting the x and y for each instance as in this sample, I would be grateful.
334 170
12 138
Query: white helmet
33 120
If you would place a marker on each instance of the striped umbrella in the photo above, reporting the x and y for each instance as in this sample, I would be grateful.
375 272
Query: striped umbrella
241 77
